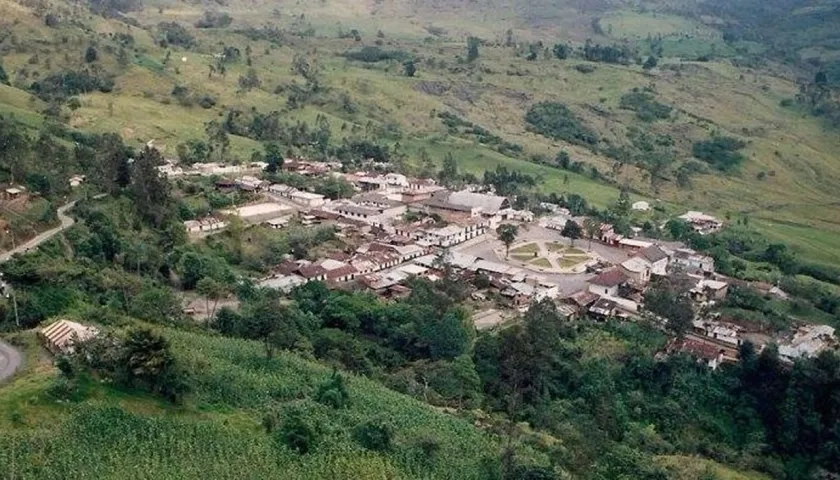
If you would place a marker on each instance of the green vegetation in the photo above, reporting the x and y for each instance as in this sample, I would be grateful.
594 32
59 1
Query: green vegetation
645 106
555 120
720 152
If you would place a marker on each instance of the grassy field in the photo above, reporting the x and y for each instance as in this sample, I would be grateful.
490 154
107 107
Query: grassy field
105 433
787 185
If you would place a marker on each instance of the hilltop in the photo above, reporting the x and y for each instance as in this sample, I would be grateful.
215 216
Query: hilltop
708 82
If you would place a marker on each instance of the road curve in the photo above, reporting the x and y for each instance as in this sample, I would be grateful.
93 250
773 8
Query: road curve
9 361
9 356
66 222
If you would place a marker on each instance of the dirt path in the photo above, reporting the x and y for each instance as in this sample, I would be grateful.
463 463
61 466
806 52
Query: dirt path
9 361
66 222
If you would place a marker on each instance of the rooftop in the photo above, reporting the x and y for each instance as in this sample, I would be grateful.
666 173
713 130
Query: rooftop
610 278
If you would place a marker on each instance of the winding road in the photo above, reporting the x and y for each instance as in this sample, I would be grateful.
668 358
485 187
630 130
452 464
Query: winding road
9 356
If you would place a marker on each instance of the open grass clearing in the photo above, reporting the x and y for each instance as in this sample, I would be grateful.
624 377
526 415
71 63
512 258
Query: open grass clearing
541 262
527 248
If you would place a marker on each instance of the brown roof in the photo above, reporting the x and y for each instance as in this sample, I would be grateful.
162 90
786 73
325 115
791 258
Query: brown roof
312 271
652 254
341 272
697 348
583 298
610 278
287 267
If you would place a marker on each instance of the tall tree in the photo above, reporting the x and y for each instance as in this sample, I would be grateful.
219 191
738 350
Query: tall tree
149 188
409 68
592 227
274 157
507 233
472 48
571 230
449 172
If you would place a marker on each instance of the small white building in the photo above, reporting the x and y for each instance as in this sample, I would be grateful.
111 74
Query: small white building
307 199
641 206
637 269
260 212
207 224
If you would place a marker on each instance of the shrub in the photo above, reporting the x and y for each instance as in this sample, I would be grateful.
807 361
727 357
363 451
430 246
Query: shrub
720 152
207 101
376 54
645 106
333 392
375 435
214 20
61 85
555 120
173 33
298 435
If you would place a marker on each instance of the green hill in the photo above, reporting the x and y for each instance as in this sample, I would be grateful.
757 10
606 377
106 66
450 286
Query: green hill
713 84
100 432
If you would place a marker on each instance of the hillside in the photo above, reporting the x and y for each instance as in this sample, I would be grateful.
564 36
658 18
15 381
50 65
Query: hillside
785 186
95 431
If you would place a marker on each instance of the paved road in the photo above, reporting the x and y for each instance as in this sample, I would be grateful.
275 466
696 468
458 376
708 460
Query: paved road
66 222
568 282
9 356
9 361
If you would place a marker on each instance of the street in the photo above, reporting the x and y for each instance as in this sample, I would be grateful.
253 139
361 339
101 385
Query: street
568 282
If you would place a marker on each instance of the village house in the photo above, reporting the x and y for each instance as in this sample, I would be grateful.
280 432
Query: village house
63 335
708 353
657 258
640 206
581 301
702 223
808 341
632 245
708 290
250 183
277 223
259 212
690 260
606 283
207 224
76 180
284 283
281 190
492 207
726 333
638 270
307 199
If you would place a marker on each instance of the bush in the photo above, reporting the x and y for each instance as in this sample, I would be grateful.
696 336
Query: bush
61 85
375 435
585 68
207 101
720 152
376 54
298 435
214 20
333 392
556 121
173 33
645 106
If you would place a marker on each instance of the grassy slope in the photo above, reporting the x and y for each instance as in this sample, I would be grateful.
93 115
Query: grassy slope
217 434
796 204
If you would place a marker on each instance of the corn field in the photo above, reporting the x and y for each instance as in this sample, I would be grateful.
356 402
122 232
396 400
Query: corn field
218 433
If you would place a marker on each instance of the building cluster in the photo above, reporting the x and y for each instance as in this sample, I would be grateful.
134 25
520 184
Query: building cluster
397 228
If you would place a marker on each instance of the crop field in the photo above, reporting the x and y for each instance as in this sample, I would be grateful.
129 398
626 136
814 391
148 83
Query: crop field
103 433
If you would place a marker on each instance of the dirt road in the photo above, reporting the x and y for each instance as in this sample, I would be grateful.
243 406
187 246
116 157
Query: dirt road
66 222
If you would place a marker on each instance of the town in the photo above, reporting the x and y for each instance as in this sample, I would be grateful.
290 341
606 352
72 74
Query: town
397 228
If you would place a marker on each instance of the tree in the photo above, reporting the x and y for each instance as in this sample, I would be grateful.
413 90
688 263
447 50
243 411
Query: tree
667 302
250 80
149 188
507 234
472 48
91 55
147 362
4 77
217 139
449 171
273 157
592 227
213 290
650 63
561 51
409 68
448 336
571 230
333 392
